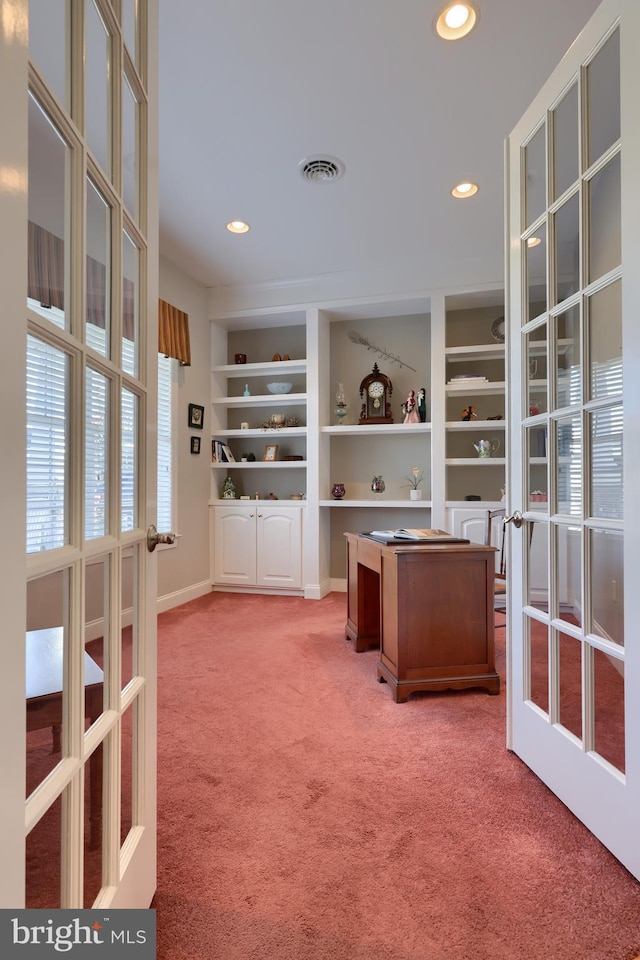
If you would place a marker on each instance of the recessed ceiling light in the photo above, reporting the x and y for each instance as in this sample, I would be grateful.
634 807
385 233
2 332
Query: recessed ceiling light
456 20
237 226
534 241
464 190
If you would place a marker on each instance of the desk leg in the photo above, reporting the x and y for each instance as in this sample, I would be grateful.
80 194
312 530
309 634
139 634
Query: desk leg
363 624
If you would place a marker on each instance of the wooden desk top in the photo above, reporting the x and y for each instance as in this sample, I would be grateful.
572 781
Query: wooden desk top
44 663
414 546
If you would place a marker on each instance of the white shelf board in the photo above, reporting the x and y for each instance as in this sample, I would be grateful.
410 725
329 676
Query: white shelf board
262 400
271 368
478 351
225 501
471 389
377 429
475 462
474 504
411 504
466 425
260 432
253 465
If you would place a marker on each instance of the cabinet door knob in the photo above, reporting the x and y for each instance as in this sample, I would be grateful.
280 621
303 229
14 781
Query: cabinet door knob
259 514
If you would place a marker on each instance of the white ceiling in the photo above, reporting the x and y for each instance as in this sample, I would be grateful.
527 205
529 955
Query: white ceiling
248 88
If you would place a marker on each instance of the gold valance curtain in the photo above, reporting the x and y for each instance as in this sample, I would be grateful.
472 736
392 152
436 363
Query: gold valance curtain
173 333
45 281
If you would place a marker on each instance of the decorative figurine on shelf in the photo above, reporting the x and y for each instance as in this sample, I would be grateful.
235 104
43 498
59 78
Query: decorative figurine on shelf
247 392
228 489
341 404
422 405
469 413
337 491
378 485
409 408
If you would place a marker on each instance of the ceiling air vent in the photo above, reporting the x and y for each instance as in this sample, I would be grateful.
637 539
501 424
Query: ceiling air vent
321 169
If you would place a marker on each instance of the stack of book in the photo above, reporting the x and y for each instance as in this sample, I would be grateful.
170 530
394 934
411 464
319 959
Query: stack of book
464 379
221 453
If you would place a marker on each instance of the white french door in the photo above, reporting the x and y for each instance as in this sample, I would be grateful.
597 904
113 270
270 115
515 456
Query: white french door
573 189
83 304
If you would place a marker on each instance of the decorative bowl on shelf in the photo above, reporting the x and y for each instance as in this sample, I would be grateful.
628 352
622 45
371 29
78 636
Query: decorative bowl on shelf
279 386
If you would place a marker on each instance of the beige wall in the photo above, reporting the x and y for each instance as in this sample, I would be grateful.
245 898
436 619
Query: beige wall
186 566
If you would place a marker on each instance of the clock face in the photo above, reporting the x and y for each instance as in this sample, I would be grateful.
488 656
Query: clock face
376 389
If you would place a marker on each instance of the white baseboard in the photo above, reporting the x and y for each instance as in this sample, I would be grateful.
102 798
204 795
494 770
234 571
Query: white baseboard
317 591
175 599
339 586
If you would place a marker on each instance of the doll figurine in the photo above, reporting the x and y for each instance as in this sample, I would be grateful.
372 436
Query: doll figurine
469 413
409 408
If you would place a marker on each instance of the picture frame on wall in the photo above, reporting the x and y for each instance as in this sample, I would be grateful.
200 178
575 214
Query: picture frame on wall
196 416
271 452
195 444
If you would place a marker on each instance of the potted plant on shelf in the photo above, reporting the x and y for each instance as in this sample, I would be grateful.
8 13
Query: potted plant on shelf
417 475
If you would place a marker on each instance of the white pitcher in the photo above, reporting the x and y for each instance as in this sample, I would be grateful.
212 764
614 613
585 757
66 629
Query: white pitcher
487 448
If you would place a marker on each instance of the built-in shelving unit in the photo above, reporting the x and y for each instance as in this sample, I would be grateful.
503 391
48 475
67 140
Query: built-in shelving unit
417 350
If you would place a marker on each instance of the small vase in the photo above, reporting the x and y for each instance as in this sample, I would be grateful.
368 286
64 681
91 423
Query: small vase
378 486
415 494
337 491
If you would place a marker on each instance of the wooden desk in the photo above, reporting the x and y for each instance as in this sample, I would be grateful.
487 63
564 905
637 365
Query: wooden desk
44 665
429 608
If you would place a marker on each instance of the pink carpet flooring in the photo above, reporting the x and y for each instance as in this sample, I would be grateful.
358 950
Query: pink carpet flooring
303 815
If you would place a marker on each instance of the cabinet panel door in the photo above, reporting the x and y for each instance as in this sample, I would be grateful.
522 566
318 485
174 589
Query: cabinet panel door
235 545
279 547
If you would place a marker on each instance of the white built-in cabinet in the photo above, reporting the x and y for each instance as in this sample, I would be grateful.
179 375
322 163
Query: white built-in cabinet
419 343
255 545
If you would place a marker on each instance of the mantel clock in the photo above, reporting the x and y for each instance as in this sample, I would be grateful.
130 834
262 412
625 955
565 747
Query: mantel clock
376 389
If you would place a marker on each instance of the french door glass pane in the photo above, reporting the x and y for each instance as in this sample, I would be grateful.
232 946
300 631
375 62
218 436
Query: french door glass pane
604 341
536 256
97 593
536 360
47 446
96 454
570 683
98 71
535 177
606 576
566 223
43 861
607 476
48 43
568 367
48 604
49 160
129 23
93 815
536 445
128 751
569 472
608 695
538 566
566 141
130 304
129 148
538 646
98 271
605 244
130 573
603 98
129 461
569 604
